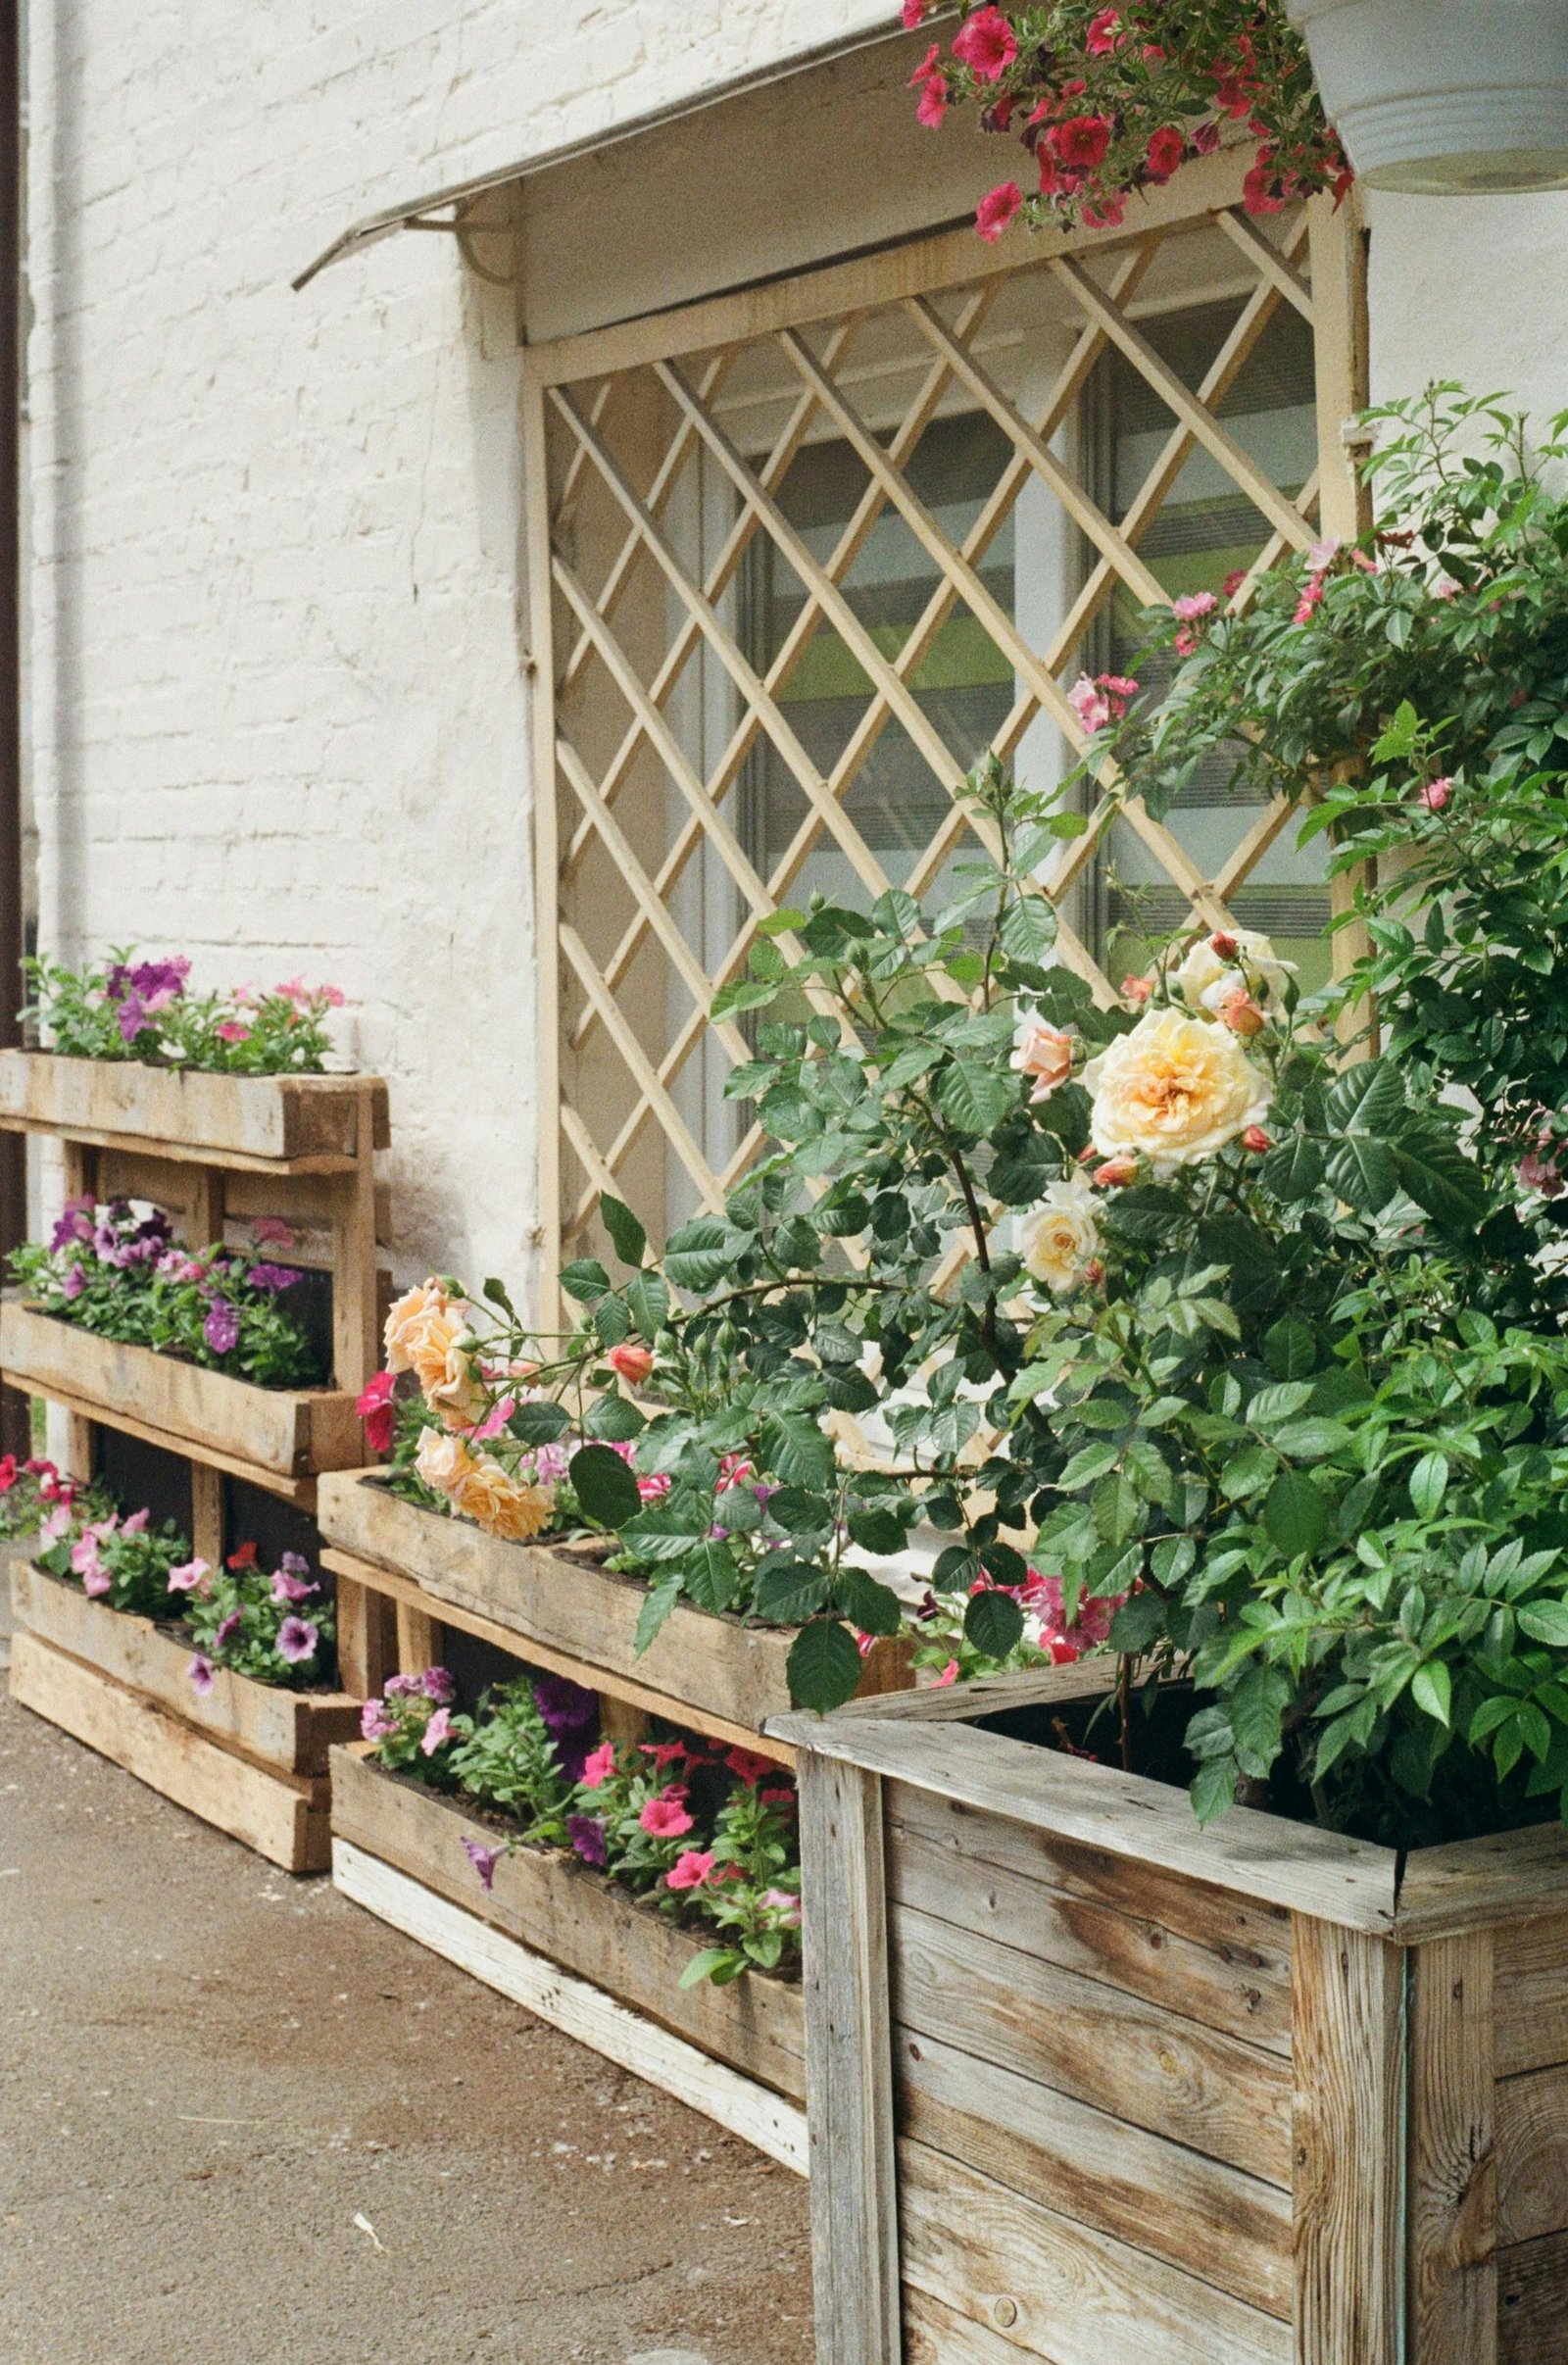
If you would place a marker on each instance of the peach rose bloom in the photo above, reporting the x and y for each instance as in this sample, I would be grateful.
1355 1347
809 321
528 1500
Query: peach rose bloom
451 1387
1175 1090
429 1335
442 1463
1062 1237
1045 1053
503 1506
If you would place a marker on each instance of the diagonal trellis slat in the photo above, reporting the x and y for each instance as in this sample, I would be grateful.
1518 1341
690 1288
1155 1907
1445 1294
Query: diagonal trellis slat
665 674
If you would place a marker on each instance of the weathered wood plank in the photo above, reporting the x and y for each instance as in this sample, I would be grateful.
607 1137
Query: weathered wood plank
1192 2085
282 1816
567 1601
1103 1919
1255 1855
1453 2199
288 1732
367 1634
189 1114
854 2205
291 1432
1532 2302
563 1911
1530 1991
1533 2154
1501 1878
1349 2056
1055 2289
1100 2171
368 1577
650 2052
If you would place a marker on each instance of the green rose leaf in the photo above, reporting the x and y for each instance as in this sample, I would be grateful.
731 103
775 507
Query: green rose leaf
1429 1483
1546 1622
648 1302
823 1667
1295 1514
539 1424
627 1234
604 1487
994 1622
698 1254
788 1592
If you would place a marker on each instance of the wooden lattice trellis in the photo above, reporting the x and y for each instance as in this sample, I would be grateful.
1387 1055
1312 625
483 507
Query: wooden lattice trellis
652 706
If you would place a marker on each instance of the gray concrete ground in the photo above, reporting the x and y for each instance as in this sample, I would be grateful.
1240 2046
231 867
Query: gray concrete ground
242 2123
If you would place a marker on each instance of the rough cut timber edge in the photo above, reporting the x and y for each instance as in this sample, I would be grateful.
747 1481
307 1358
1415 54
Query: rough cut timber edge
304 1123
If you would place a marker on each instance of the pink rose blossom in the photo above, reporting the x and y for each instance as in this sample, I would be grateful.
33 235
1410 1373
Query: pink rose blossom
1045 1053
1436 794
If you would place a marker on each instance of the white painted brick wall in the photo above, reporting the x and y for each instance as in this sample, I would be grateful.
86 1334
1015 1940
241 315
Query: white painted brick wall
279 711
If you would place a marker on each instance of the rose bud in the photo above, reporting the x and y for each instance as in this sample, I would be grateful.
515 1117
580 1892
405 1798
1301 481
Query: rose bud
1434 796
1223 947
633 1364
1240 1014
1254 1138
1136 990
1115 1172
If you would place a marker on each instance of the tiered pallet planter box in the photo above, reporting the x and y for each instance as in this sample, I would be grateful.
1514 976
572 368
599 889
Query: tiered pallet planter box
1092 2086
576 1950
249 1757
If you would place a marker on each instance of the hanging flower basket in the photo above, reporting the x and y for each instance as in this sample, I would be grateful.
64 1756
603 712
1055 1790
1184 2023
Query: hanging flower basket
1444 97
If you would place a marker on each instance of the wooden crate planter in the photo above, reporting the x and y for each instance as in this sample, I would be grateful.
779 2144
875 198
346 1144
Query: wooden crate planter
310 1124
1093 2086
248 1757
269 1433
577 1949
568 1612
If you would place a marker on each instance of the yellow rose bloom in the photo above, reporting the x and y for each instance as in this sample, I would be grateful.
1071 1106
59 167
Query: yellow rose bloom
1060 1238
1174 1090
503 1506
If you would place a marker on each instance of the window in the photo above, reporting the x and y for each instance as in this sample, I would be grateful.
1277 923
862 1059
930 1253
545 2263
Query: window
814 548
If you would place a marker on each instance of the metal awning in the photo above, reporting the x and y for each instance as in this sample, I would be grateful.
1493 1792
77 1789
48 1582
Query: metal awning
445 208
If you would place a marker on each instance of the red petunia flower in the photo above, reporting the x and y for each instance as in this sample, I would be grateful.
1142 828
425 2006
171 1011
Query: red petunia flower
1081 142
987 45
1164 153
997 210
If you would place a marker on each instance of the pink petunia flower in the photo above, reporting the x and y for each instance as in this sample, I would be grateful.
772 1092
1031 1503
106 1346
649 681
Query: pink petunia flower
189 1576
599 1766
200 1673
665 1818
997 210
436 1732
297 1638
987 45
948 1675
689 1870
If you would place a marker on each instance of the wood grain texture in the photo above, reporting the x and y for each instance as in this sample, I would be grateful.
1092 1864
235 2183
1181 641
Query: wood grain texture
1503 1879
584 2012
282 1816
1349 2056
280 1119
1195 2086
1531 1991
1452 2196
291 1432
855 2202
1174 1945
1055 2289
366 1634
1532 2302
1533 2154
561 1909
288 1732
1253 1856
1095 2169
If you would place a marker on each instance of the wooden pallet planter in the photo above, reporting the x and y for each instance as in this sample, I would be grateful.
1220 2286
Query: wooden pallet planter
1093 2086
568 1612
248 1757
578 1950
306 1124
273 1433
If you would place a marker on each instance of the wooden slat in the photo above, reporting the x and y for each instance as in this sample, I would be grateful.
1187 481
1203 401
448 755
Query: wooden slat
1348 2054
1098 2170
367 1633
308 1121
1530 1991
282 1816
1266 259
1120 1945
288 1732
576 1917
1509 1878
1057 2290
1532 2302
81 1416
855 2201
1533 2154
356 1330
585 2013
1100 2044
1452 2167
1255 1855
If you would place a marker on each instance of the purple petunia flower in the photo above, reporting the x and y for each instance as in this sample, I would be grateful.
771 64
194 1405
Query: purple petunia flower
200 1673
485 1861
273 1277
221 1329
437 1684
587 1836
375 1722
74 1282
565 1706
287 1588
131 1017
226 1627
297 1638
76 1223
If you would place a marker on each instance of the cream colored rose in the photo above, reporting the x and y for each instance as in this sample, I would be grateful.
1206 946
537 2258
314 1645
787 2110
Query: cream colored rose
1216 965
1174 1090
451 1387
442 1463
503 1506
1043 1052
1062 1237
428 1334
410 1320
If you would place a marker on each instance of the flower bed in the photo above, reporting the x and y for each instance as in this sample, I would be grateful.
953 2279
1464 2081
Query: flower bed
310 1122
144 1010
1259 2092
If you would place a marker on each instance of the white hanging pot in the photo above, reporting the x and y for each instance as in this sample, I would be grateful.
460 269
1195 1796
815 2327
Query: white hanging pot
1445 98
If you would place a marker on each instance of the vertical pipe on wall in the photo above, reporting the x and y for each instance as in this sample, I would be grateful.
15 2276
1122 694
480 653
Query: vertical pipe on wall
14 1430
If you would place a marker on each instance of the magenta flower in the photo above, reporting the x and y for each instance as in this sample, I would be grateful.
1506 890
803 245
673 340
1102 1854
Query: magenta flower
437 1733
665 1818
690 1869
297 1638
227 1627
438 1685
200 1673
485 1861
587 1836
289 1588
272 1232
221 1329
375 1722
74 1282
272 1277
600 1765
187 1578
